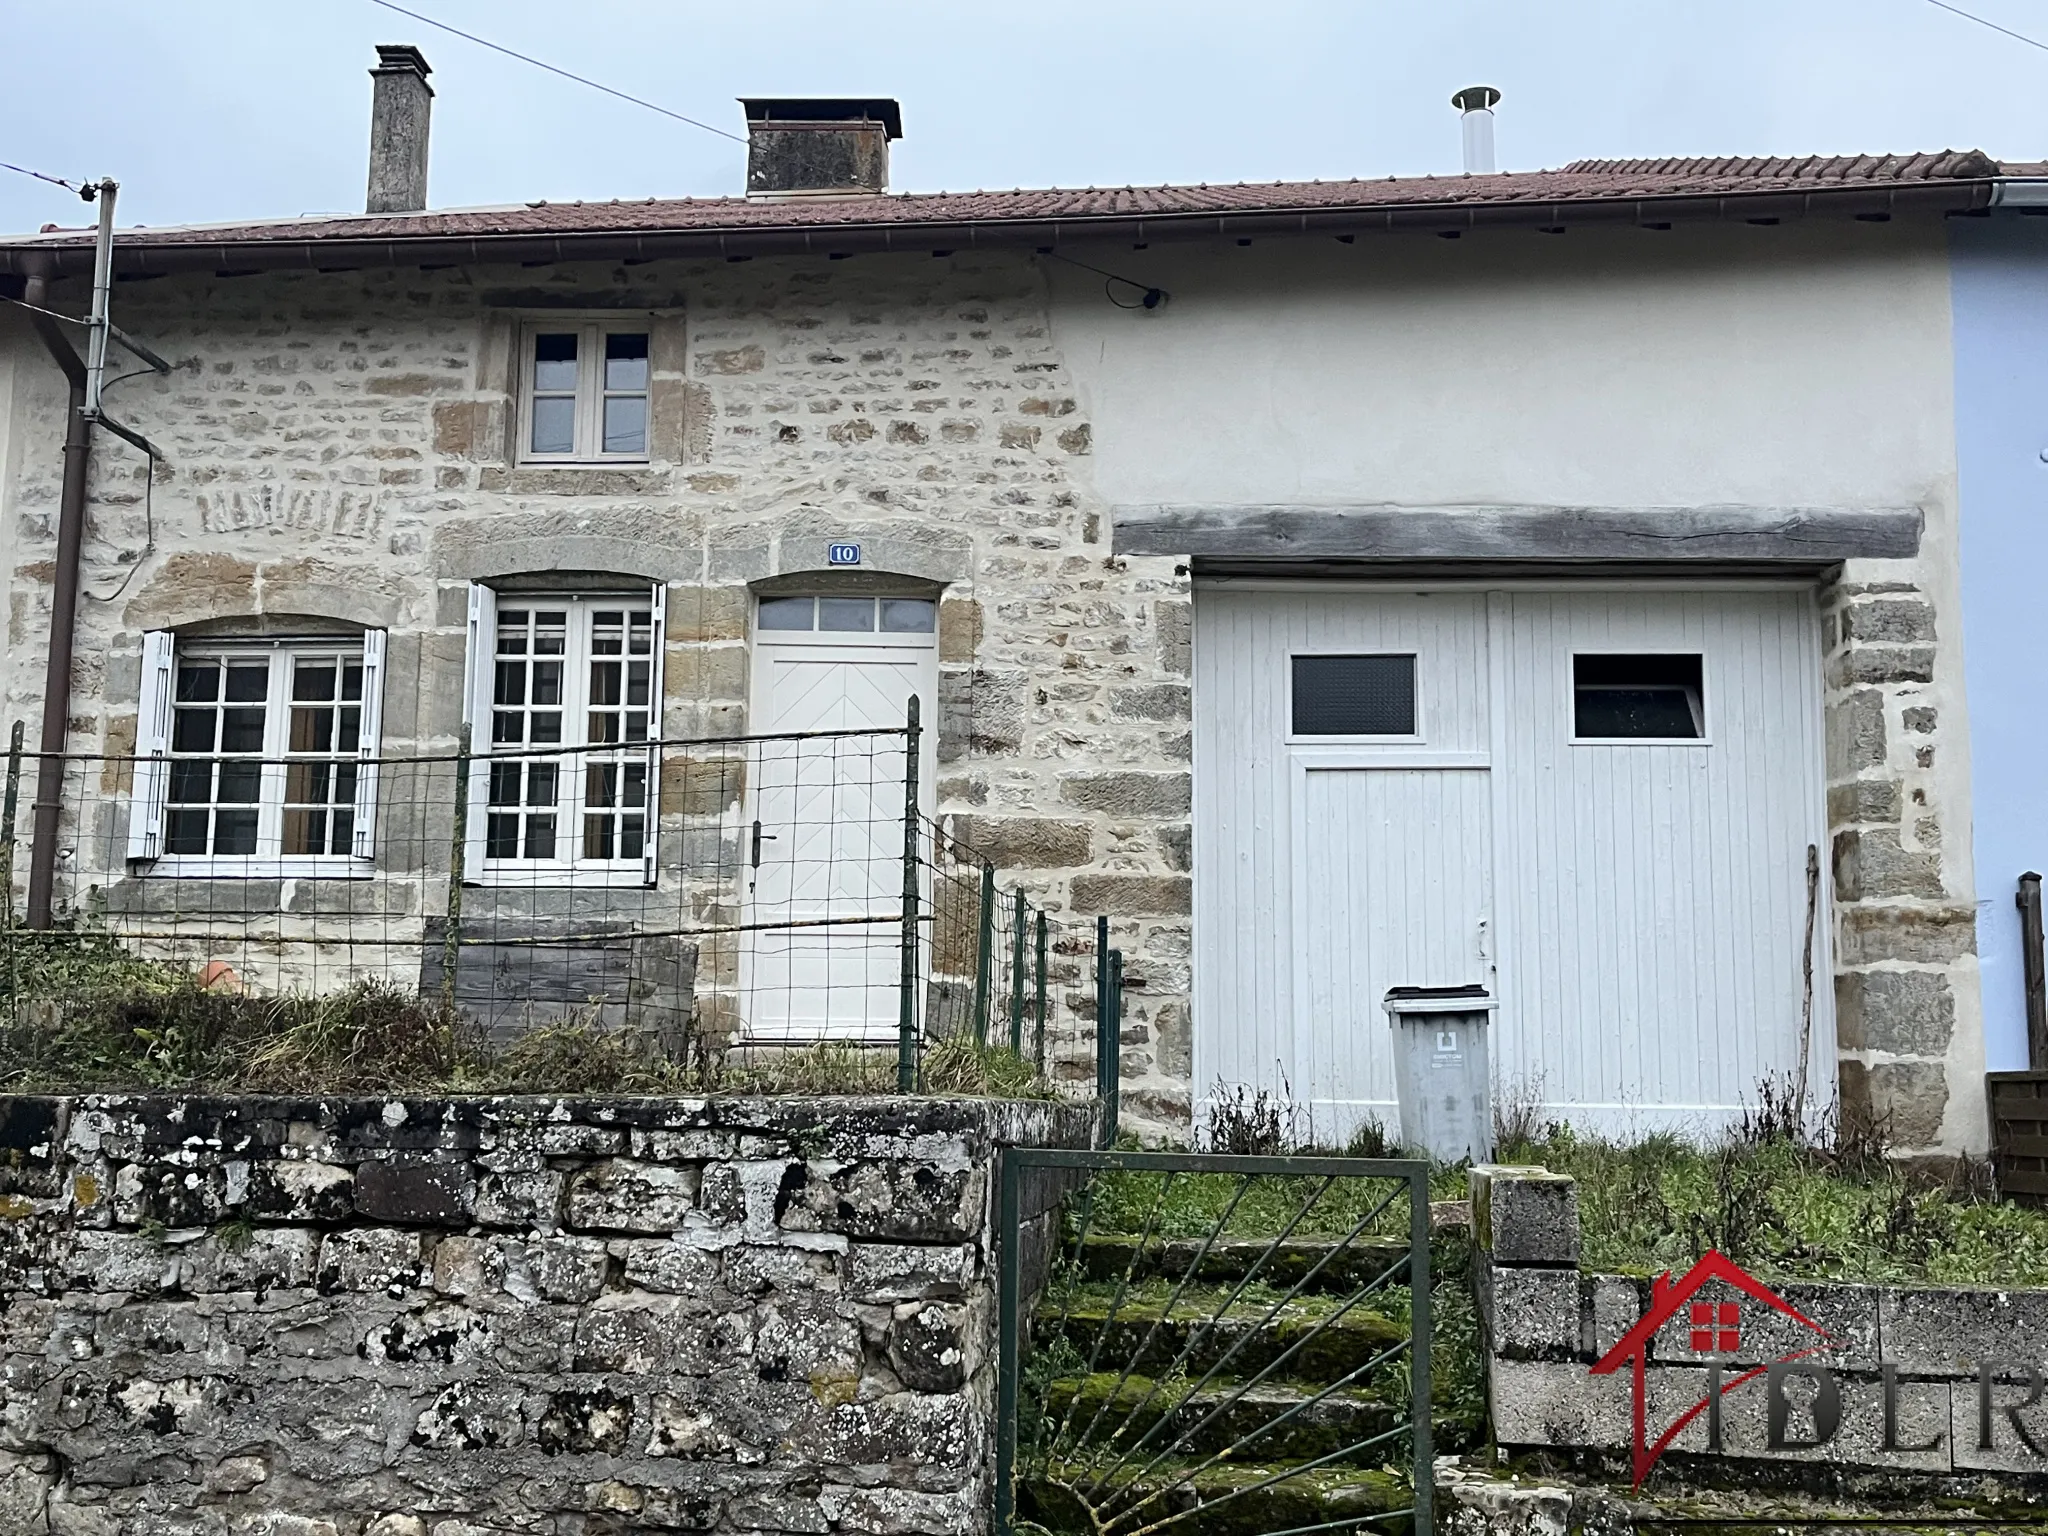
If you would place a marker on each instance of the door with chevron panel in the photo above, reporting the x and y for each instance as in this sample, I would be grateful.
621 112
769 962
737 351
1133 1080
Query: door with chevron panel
823 877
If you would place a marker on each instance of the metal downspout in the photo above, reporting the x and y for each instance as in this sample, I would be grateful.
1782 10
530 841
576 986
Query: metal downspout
42 869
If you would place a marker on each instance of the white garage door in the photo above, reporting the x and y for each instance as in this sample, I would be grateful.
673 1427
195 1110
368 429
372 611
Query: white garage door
1596 803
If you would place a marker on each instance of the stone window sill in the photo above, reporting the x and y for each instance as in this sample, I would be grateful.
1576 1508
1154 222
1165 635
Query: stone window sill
577 480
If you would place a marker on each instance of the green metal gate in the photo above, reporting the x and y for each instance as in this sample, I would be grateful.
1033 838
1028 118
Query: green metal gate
1201 1345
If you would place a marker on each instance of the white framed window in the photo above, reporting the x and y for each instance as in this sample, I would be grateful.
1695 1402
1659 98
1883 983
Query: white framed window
1639 697
583 390
1352 697
257 756
848 615
564 714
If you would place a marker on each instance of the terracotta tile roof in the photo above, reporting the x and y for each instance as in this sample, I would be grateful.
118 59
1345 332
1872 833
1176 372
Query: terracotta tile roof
912 220
1947 165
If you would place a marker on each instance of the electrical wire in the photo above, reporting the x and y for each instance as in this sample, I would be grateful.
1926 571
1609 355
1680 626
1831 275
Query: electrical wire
148 505
1150 297
37 309
2020 37
148 540
484 42
56 181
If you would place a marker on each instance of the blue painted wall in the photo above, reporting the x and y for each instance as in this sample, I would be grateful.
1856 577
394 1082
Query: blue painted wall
2000 295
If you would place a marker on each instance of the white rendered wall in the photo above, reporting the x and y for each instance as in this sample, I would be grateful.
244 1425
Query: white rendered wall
1771 366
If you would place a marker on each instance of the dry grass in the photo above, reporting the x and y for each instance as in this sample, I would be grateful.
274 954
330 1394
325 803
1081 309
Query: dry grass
88 1017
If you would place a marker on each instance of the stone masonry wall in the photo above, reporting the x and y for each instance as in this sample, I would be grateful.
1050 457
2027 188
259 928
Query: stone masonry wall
1931 1386
1905 923
499 1317
339 445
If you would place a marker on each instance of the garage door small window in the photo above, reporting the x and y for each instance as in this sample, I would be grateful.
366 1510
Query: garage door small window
1354 696
1638 698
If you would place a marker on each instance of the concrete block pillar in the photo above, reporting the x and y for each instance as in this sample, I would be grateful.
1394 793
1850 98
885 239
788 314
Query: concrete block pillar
1525 1225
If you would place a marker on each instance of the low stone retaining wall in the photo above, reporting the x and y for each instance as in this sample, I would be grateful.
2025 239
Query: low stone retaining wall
1893 1384
397 1317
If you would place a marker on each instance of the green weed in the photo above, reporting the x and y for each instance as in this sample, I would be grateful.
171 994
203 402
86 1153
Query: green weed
964 1065
1786 1209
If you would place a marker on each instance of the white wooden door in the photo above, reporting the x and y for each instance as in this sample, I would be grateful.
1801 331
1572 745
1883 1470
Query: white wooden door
1329 868
824 840
1397 871
1654 892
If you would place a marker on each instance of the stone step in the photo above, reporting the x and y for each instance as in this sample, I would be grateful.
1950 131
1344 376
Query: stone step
1140 1336
1112 1255
1273 1421
1215 1501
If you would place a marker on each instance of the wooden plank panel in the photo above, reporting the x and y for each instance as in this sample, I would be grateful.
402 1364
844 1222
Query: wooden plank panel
1654 894
1251 1004
2017 1182
1803 535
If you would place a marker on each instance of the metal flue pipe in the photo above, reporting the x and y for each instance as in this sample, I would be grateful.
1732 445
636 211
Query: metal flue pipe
1477 102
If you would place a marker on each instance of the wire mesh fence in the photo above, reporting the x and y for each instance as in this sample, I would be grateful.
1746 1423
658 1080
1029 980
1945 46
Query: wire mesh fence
718 899
1007 970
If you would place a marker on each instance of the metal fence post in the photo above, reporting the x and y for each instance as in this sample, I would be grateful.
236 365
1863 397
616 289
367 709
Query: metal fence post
1038 1042
1009 1302
7 813
1017 980
8 808
1102 1089
906 986
985 957
1114 1041
2033 971
1419 1390
458 854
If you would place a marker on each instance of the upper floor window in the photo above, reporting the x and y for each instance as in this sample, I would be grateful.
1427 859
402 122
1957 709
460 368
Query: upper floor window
584 392
254 755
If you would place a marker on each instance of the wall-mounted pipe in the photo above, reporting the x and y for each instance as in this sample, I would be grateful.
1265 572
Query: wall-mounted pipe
47 810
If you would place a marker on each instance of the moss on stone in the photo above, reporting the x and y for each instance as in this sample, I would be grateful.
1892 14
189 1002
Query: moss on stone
1314 1339
1219 1499
1274 1420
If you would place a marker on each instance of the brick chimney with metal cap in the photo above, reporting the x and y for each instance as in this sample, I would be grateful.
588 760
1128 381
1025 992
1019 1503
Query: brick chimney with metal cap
819 146
401 102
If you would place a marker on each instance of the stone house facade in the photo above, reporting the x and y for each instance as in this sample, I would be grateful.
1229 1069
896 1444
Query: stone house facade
1066 464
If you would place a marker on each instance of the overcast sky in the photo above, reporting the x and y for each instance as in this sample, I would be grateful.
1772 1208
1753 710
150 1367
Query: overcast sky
225 109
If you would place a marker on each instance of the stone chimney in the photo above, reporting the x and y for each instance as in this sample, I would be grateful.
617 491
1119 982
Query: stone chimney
819 146
401 102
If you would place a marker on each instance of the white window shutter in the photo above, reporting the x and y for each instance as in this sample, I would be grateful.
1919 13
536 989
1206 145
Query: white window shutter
476 714
369 744
152 747
659 642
